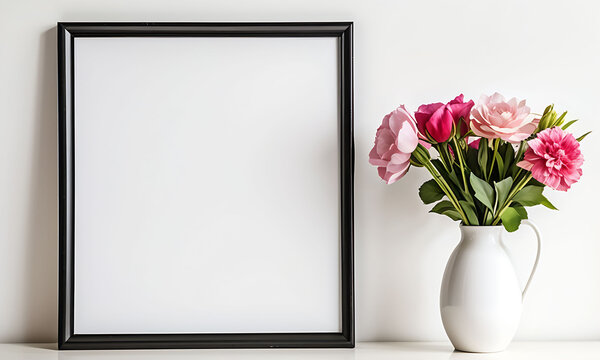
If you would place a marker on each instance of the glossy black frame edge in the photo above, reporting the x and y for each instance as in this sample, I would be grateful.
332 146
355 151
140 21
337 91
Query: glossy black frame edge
66 337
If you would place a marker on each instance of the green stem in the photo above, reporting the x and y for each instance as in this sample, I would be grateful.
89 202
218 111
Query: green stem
496 141
511 195
517 158
485 216
460 162
520 152
518 173
468 133
444 156
439 179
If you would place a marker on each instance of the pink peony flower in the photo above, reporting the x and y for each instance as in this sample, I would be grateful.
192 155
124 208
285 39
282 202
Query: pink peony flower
395 141
437 119
554 159
508 120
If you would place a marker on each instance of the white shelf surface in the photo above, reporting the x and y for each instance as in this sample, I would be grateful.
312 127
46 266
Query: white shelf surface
363 351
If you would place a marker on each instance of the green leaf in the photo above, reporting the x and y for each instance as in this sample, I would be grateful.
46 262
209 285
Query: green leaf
543 123
489 218
453 214
483 191
482 154
548 118
500 163
454 181
508 164
583 136
530 195
565 126
446 208
560 120
467 194
420 155
547 203
442 206
469 210
444 152
502 189
521 210
509 156
518 157
454 177
472 163
534 182
430 192
551 119
511 219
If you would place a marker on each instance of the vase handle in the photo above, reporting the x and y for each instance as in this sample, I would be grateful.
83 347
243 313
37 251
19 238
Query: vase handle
538 235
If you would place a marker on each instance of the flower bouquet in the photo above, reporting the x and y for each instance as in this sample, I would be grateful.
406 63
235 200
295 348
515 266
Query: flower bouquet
494 158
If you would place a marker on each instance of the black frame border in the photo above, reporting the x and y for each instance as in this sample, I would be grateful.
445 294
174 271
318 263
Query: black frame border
67 32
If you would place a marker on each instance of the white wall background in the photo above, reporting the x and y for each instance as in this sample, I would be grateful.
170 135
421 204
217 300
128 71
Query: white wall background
405 52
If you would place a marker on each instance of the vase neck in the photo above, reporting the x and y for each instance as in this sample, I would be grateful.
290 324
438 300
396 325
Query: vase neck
481 234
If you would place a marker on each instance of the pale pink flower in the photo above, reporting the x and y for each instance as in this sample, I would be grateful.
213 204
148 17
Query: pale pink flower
554 159
508 120
395 141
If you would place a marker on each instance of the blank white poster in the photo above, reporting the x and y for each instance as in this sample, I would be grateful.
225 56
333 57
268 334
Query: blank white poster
206 185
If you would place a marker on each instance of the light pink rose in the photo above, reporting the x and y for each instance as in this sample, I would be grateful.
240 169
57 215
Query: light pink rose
508 120
554 159
395 141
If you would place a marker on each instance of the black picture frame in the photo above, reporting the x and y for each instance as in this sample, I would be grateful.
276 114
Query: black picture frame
67 32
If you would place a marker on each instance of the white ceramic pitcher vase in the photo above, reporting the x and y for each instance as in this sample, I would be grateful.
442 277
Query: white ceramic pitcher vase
481 299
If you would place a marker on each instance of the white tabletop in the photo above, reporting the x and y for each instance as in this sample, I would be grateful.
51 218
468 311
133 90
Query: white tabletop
363 351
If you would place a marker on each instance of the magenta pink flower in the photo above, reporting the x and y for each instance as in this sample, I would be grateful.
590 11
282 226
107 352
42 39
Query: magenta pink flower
474 142
437 119
508 120
461 113
395 141
554 159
